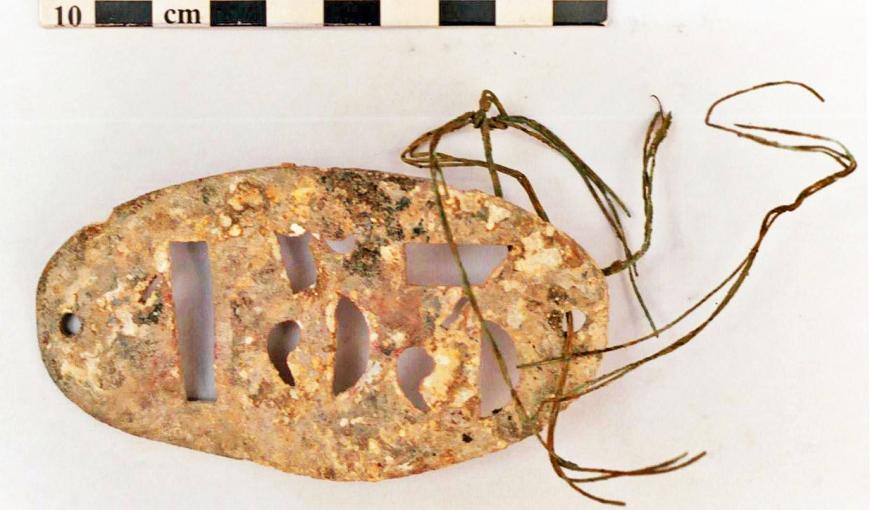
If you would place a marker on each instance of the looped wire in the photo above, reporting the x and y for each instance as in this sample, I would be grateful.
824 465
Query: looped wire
423 153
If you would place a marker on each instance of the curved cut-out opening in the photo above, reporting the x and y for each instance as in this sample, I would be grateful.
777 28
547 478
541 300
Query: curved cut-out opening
495 393
414 365
70 325
298 261
454 315
282 340
433 264
344 246
578 318
352 345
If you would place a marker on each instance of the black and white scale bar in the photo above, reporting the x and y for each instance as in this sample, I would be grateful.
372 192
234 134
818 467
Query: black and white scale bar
123 14
300 13
352 12
466 12
568 12
237 14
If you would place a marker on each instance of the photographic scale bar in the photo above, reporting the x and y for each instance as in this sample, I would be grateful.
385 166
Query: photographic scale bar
314 13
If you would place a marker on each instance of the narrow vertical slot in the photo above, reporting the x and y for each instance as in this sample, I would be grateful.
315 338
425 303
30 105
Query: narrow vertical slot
194 318
495 392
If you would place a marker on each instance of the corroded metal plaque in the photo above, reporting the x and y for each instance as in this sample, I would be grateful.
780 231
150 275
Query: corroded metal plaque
120 360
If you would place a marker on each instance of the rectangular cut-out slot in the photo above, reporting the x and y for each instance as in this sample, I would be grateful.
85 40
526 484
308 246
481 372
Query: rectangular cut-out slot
298 261
194 318
433 264
495 392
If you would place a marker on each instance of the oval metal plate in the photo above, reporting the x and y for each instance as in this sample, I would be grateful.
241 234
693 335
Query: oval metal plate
123 366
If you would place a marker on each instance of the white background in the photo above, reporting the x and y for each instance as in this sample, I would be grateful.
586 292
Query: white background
775 390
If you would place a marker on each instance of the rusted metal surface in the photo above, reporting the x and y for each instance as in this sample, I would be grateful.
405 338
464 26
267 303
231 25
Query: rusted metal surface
123 367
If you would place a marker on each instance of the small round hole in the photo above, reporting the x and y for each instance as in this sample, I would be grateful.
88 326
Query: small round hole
70 324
